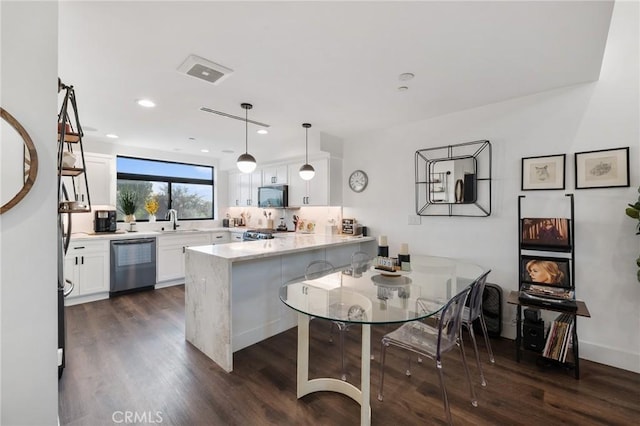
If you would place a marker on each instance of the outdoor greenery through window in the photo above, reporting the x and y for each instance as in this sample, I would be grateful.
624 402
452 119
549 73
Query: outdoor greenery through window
187 188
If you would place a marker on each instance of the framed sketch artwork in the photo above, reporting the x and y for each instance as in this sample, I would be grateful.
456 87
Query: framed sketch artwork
548 233
545 172
605 168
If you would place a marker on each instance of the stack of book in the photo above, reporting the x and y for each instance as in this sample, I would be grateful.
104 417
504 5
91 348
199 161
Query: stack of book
559 338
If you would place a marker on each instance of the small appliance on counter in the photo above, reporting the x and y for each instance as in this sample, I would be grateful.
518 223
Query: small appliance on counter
104 221
351 227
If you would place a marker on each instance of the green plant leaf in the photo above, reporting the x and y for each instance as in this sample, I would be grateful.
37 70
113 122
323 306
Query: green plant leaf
632 212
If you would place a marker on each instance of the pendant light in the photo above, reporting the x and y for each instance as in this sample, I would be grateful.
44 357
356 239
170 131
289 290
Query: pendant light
246 162
306 171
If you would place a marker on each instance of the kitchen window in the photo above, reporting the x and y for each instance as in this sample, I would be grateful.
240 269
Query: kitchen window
187 188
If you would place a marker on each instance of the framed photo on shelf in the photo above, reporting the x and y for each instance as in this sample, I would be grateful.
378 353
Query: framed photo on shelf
547 233
605 168
548 271
546 172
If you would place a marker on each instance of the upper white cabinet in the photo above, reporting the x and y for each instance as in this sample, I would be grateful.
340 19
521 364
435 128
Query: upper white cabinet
325 189
100 170
275 175
243 188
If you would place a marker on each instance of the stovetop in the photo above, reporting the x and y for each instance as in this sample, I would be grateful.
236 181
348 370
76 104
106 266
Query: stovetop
257 234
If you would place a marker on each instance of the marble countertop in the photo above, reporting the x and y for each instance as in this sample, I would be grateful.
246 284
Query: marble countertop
287 243
144 233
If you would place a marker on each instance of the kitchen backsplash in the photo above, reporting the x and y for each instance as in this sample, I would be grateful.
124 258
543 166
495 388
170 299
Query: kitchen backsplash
324 219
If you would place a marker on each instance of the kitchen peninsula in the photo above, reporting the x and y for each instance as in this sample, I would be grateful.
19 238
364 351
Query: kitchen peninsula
231 290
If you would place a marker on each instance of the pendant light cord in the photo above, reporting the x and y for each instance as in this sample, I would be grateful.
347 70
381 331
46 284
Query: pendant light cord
246 131
306 145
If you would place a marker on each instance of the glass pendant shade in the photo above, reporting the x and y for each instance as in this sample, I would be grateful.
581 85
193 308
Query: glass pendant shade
307 172
246 163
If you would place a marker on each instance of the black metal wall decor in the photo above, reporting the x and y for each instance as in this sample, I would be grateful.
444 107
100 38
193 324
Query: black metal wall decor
454 180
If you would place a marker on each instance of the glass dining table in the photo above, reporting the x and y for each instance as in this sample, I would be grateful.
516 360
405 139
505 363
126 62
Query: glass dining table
373 297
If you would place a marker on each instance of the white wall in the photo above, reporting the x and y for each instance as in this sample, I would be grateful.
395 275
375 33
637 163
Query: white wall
599 115
28 294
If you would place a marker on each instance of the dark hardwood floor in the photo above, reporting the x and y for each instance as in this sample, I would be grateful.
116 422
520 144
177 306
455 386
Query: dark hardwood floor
127 356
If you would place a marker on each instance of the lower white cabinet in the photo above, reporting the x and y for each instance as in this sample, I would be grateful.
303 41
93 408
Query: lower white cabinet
86 264
171 249
235 236
220 238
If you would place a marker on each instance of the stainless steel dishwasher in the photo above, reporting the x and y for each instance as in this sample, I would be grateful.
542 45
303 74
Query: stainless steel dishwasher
133 265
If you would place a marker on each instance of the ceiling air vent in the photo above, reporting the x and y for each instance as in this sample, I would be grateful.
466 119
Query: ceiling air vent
203 69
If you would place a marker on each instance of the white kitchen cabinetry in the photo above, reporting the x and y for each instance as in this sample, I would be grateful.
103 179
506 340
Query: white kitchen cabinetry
325 189
275 175
243 189
235 236
171 249
87 266
220 238
100 170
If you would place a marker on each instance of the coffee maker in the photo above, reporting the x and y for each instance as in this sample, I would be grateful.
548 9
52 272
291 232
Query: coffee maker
104 221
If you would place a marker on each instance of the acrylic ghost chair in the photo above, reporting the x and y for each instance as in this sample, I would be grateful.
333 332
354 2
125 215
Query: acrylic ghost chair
360 263
432 342
474 312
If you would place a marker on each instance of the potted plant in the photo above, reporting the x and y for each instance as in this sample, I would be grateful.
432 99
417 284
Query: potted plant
151 206
128 205
633 211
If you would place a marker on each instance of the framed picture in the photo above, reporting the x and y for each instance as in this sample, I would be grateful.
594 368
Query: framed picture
546 234
546 172
549 271
606 168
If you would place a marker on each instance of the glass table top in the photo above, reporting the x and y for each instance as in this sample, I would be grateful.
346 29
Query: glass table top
375 297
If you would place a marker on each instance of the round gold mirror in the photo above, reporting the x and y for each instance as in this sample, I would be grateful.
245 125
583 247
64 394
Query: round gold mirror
18 162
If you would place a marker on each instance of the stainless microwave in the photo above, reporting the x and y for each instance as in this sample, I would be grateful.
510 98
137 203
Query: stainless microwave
273 196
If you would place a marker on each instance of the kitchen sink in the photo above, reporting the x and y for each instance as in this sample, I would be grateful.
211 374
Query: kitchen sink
179 230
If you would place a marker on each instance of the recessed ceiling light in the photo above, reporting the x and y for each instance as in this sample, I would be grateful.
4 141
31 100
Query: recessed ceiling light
204 150
146 103
192 139
262 131
406 76
111 135
402 88
227 151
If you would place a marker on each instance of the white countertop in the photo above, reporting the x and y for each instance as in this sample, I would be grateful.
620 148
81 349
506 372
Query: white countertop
144 234
282 244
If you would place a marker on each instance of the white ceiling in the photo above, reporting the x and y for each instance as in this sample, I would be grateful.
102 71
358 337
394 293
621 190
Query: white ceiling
333 64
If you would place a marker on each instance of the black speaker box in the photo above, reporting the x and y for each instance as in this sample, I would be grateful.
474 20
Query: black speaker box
491 310
469 188
533 335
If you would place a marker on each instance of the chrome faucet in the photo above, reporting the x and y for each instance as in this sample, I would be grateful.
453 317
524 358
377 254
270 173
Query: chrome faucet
172 215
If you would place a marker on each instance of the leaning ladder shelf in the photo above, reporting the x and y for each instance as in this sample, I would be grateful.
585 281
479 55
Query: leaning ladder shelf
513 298
70 138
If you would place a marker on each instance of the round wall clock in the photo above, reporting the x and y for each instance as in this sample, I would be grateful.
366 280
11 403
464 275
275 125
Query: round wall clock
358 181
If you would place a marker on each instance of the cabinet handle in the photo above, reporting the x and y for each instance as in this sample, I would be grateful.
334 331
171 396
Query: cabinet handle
82 262
219 236
76 260
183 249
78 248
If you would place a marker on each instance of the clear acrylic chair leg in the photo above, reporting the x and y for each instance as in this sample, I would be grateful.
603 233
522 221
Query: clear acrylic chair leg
469 327
483 324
